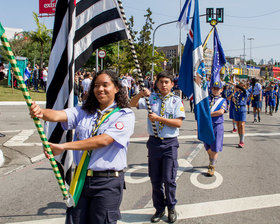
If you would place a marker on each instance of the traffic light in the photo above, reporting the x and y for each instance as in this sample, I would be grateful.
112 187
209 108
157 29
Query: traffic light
209 15
220 15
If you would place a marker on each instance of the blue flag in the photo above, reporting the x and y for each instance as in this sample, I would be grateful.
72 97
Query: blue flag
219 59
192 79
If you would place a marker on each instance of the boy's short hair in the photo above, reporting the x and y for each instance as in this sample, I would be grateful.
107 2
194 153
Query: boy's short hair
165 74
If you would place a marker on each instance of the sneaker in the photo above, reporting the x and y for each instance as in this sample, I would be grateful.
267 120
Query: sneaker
255 120
241 145
248 112
172 215
211 170
234 130
157 216
2 135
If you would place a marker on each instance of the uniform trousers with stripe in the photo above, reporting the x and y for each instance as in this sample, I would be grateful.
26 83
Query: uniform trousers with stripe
99 202
163 165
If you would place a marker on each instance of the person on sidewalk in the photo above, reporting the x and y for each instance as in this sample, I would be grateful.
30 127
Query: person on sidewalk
168 114
218 107
102 192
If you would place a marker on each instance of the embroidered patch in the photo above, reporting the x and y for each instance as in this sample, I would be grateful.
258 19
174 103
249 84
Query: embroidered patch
174 101
119 125
181 108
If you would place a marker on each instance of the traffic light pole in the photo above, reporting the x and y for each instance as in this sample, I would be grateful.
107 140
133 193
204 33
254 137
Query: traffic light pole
154 33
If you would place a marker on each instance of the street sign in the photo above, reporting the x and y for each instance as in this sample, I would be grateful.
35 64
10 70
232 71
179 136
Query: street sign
102 54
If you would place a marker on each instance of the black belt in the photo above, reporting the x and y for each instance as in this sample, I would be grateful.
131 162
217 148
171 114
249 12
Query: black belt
160 137
106 173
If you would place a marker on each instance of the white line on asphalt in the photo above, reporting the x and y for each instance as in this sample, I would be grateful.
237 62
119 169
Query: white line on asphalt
184 164
12 103
188 211
183 137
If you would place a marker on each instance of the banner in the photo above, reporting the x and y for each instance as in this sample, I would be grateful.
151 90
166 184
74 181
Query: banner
47 6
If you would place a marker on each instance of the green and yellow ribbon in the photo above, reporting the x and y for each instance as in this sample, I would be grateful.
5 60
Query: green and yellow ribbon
37 122
78 180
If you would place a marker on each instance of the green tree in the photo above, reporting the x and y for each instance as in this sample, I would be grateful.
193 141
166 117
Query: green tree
42 36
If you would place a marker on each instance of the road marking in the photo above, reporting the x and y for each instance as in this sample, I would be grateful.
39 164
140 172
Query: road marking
188 211
23 135
12 103
184 164
20 138
218 181
184 137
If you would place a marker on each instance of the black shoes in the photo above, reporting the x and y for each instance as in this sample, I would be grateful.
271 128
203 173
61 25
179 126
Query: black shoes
172 215
2 135
157 216
259 119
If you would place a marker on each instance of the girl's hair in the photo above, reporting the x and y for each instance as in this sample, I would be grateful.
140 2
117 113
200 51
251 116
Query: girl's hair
121 98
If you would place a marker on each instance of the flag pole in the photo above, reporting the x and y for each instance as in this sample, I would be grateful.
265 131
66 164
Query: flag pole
37 122
136 62
207 38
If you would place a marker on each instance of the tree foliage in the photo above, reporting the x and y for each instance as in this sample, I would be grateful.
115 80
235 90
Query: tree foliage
42 36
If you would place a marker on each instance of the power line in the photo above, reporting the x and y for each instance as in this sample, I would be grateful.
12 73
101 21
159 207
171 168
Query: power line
261 15
252 27
263 46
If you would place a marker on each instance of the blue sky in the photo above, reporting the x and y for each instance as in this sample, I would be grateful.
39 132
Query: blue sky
253 18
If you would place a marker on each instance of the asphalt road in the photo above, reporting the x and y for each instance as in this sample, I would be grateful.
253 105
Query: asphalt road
245 188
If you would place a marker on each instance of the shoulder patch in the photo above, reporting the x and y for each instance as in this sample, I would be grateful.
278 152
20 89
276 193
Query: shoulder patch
182 109
119 125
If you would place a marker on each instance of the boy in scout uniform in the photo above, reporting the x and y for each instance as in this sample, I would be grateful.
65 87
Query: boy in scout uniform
168 113
218 106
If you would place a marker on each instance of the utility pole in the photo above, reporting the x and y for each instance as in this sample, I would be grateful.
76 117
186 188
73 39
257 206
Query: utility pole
250 39
179 45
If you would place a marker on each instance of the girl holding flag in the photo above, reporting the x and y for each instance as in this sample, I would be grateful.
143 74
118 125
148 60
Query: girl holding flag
103 126
218 106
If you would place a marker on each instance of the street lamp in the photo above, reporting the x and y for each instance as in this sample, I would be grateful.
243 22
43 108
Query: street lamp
250 39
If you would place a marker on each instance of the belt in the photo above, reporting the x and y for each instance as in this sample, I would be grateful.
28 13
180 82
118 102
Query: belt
160 137
106 173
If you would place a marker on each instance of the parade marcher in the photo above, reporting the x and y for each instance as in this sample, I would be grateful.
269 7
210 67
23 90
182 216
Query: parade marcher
249 89
218 106
277 97
239 99
256 98
271 96
168 113
229 95
103 188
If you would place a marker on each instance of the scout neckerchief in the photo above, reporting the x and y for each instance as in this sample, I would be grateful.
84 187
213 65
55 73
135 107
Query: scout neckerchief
162 110
215 106
78 181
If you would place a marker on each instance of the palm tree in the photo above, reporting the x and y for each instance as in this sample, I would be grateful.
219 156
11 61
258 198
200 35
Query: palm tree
42 36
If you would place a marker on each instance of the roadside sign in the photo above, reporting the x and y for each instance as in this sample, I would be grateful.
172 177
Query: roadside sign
101 54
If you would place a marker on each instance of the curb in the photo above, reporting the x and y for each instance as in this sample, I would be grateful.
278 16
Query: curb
11 103
2 160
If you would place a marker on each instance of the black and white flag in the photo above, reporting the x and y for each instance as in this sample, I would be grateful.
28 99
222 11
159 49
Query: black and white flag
80 28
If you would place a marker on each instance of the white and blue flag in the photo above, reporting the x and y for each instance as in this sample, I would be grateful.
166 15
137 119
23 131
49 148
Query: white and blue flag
184 17
27 74
192 79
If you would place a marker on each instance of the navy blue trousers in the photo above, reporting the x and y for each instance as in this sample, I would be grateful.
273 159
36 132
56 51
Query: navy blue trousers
99 202
163 167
